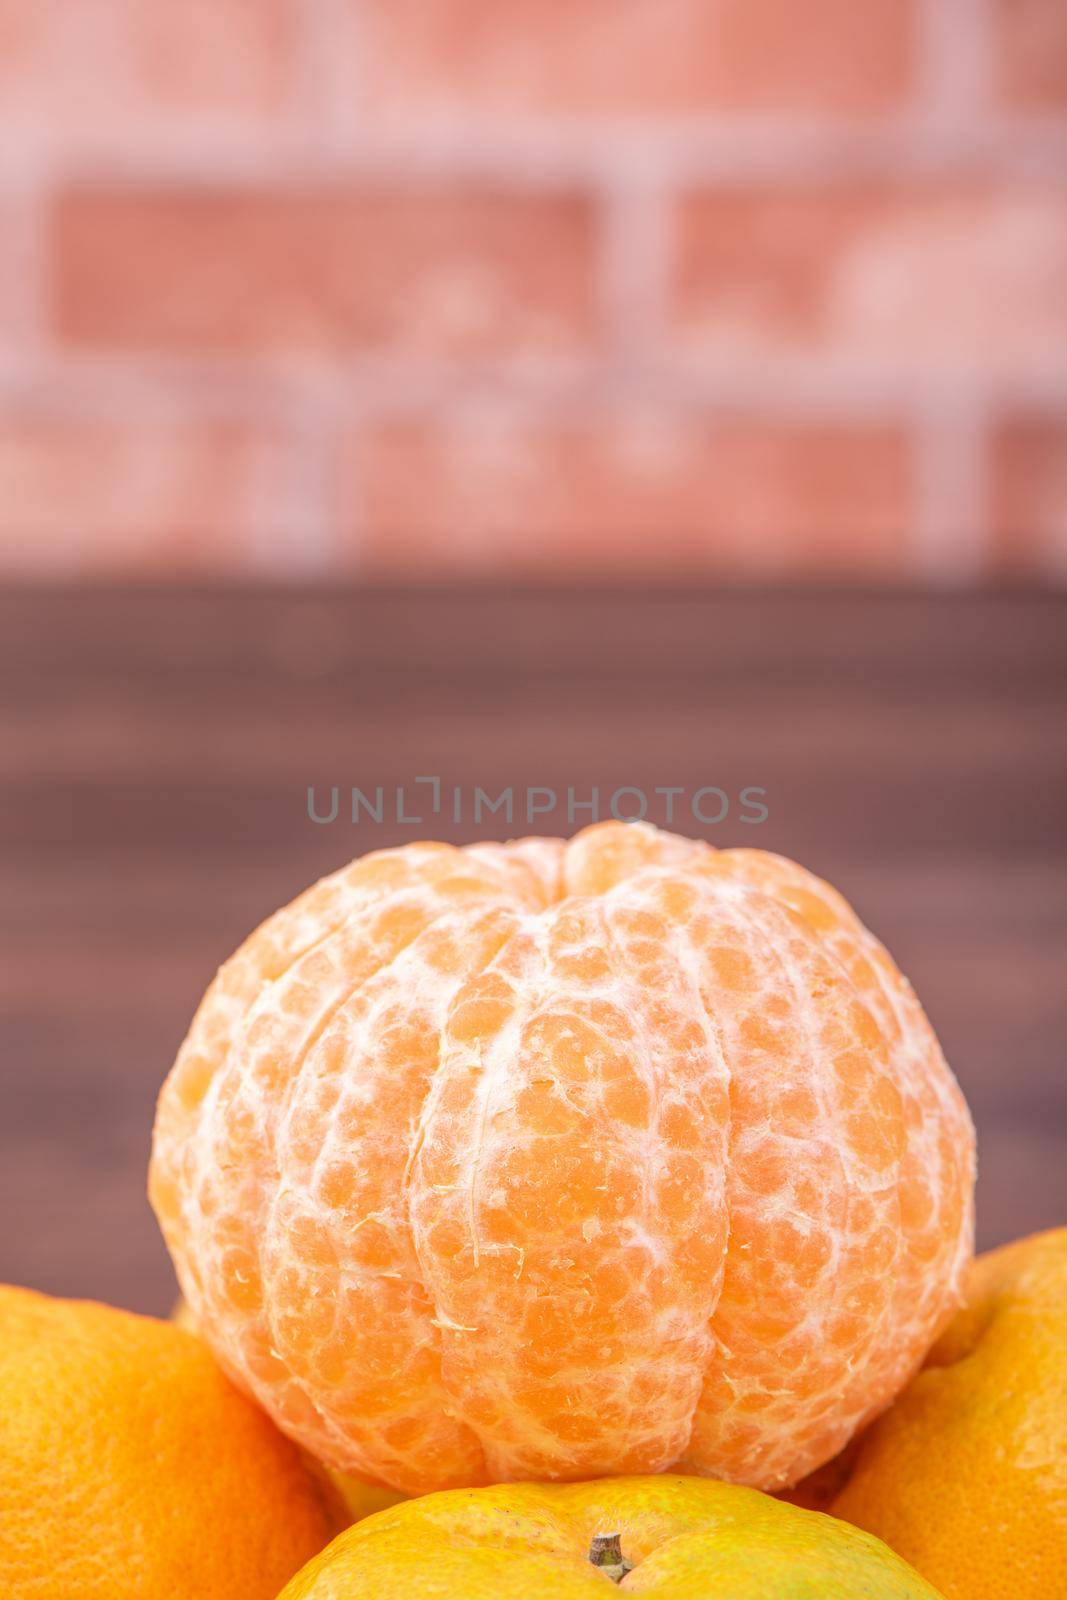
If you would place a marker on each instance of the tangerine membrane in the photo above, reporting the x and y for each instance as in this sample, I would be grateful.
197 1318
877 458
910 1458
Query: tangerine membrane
566 1159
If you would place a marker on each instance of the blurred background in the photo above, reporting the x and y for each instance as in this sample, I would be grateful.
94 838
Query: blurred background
614 288
574 395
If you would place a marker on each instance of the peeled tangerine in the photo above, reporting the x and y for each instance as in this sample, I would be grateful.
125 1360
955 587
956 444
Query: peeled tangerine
564 1159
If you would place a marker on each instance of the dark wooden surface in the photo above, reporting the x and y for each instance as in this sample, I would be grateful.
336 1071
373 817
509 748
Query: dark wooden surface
157 747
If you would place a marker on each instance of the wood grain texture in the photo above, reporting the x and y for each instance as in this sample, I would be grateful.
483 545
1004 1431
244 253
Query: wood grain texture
157 745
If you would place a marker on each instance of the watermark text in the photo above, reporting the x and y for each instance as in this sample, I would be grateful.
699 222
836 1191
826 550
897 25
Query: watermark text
418 801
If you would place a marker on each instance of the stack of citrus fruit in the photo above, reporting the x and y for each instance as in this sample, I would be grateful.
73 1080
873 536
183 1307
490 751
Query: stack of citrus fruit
583 1160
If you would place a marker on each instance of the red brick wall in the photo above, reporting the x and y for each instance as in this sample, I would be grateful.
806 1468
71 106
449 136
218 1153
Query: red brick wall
610 287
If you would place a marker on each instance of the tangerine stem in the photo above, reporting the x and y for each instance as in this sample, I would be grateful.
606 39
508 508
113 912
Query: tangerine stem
605 1552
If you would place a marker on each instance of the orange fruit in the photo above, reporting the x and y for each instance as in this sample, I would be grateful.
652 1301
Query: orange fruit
352 1497
686 1538
560 1160
130 1467
966 1476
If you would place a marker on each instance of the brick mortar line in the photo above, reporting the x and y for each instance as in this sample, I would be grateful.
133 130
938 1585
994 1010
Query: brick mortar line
634 269
953 532
27 205
77 386
306 541
955 49
350 506
733 152
331 100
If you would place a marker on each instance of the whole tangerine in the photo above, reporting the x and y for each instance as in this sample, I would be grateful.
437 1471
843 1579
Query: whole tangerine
679 1538
966 1475
131 1467
565 1159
